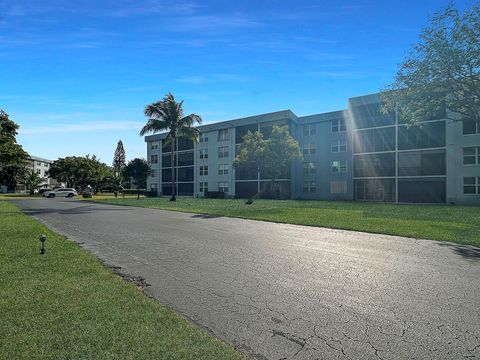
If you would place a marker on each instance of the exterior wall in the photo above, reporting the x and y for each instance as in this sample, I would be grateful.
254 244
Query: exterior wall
456 170
155 182
395 163
329 185
213 162
385 160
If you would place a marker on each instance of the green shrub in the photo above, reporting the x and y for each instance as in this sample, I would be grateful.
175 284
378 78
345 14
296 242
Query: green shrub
134 191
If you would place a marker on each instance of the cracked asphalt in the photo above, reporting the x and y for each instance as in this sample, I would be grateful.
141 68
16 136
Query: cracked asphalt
278 291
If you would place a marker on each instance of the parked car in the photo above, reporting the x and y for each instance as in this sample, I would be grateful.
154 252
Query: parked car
62 192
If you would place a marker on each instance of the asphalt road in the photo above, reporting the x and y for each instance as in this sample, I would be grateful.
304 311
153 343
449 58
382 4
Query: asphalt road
290 292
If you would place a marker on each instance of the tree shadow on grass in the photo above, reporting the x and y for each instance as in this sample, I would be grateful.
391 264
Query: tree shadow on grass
465 251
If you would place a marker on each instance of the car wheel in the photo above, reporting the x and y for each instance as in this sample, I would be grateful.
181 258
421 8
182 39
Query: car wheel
51 196
70 195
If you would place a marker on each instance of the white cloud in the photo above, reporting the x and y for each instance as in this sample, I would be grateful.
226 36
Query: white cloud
84 127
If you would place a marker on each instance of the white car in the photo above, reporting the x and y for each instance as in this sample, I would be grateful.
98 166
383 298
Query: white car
62 192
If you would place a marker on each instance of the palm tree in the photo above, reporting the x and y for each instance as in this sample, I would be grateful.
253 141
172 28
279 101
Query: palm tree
167 115
33 181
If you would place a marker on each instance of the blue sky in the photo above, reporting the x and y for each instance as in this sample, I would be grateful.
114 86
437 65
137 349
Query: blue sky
76 75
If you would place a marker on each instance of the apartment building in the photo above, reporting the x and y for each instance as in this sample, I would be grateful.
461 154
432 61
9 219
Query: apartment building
353 154
41 167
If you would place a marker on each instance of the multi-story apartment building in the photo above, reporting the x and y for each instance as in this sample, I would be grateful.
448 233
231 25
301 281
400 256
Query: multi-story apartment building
354 154
41 167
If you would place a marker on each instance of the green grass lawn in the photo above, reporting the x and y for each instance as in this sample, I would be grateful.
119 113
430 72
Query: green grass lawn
67 305
18 196
460 224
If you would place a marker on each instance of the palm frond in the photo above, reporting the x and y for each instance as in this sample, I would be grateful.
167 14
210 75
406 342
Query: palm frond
167 115
155 110
190 120
190 133
154 126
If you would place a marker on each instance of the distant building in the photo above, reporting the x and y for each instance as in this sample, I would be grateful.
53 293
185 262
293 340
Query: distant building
41 167
354 154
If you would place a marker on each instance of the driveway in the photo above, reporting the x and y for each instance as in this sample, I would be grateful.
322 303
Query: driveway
279 291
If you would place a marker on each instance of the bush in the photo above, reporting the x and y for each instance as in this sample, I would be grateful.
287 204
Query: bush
215 195
134 191
87 195
151 193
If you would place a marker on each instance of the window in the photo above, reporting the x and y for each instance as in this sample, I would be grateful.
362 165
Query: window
223 169
309 149
309 187
374 165
338 187
471 156
154 146
339 125
370 115
203 153
223 186
471 185
153 159
471 126
339 166
223 135
374 140
375 189
153 173
203 187
309 168
422 163
339 146
223 151
39 171
185 174
203 138
309 130
428 135
203 170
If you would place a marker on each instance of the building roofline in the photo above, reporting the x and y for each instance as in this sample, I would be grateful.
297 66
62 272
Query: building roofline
272 116
323 116
36 158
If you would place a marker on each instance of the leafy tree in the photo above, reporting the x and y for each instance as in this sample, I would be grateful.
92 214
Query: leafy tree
138 170
441 75
13 159
167 115
269 156
33 181
119 159
79 172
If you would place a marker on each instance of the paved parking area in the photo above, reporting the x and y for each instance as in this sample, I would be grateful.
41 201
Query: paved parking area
279 291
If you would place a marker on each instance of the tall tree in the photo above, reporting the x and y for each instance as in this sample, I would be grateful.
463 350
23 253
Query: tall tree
441 75
138 171
167 115
13 159
33 181
80 171
119 159
270 156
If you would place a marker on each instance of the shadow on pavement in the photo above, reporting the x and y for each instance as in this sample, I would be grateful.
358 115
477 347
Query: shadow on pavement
468 252
205 216
75 211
